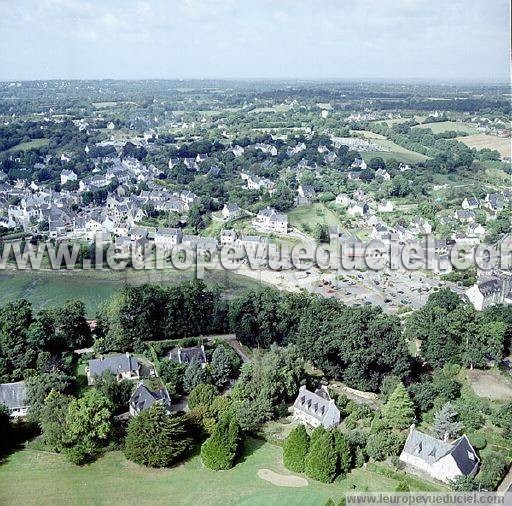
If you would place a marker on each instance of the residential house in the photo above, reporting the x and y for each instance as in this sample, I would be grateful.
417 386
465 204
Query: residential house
342 199
465 216
441 460
470 203
306 194
238 151
386 206
486 292
316 408
494 202
123 366
167 238
143 398
227 237
270 220
14 397
357 209
383 173
67 175
231 211
186 355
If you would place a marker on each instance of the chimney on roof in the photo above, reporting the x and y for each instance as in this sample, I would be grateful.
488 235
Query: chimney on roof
128 354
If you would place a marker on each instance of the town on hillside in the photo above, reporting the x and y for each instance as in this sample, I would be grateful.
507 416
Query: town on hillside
288 287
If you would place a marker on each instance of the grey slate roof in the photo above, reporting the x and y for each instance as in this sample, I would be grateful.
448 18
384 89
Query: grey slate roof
186 355
315 403
143 398
430 450
115 364
13 395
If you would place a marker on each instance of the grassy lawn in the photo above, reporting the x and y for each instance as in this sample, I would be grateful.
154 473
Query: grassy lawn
46 289
25 146
395 151
481 141
312 215
449 126
31 477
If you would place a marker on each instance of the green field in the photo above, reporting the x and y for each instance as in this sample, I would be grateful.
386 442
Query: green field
31 477
45 289
312 215
481 141
449 126
395 151
25 146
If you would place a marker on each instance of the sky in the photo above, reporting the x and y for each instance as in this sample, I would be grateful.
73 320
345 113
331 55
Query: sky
441 40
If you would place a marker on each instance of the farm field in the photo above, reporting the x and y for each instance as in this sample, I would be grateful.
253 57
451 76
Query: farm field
31 477
46 289
312 215
25 146
449 126
481 141
397 152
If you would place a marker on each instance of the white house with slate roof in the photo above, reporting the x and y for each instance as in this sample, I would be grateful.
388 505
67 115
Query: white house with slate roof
122 366
442 460
143 398
13 396
485 293
186 355
316 408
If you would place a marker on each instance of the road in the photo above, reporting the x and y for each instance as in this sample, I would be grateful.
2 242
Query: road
232 341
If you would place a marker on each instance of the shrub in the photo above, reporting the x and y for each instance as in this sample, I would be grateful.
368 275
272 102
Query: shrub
295 449
156 439
221 449
320 463
478 441
202 394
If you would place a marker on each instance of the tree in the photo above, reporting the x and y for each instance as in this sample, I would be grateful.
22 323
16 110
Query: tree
18 356
320 462
445 424
464 484
221 449
384 444
359 345
264 384
343 451
52 418
171 373
398 412
156 439
295 449
88 425
117 392
194 375
225 362
202 395
40 386
494 466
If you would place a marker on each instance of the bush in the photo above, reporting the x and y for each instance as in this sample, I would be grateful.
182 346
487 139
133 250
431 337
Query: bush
295 449
155 438
478 441
203 394
494 467
320 463
384 444
221 449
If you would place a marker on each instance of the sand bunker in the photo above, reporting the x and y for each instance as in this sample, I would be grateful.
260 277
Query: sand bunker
282 480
